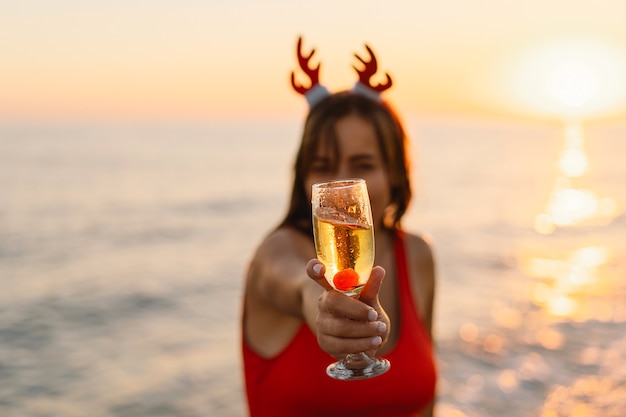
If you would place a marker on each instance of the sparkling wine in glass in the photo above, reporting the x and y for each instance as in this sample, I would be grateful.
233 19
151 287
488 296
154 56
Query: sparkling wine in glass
344 241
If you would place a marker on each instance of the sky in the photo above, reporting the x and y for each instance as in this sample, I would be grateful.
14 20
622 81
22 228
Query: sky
200 60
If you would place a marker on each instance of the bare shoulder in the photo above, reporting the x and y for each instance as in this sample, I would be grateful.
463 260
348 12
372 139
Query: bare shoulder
421 259
422 265
278 264
419 250
284 242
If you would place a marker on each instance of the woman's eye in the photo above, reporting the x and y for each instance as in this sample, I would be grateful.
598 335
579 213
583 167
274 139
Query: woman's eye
320 167
365 167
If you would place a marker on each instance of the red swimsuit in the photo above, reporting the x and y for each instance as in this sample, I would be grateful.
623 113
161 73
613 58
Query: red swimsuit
294 382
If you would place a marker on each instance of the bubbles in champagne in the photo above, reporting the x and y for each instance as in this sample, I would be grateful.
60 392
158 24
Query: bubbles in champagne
343 243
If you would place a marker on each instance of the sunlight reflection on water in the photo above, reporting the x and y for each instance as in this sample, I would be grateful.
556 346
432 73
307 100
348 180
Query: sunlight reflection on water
570 205
559 351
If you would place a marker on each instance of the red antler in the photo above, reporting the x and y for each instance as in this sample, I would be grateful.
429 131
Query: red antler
370 69
313 73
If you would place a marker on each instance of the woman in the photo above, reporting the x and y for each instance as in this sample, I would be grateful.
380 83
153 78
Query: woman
294 324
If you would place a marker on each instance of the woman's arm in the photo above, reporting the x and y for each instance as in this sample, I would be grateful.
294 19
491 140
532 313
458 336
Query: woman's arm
277 276
282 280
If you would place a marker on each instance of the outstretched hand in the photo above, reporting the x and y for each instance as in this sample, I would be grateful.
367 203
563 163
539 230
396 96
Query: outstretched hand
350 324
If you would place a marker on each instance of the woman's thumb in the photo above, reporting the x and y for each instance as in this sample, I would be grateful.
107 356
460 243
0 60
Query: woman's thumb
369 295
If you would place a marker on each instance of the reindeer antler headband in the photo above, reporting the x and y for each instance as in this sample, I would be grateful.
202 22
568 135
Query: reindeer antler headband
316 92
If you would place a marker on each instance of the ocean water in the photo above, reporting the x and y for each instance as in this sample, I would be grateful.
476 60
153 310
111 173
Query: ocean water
123 249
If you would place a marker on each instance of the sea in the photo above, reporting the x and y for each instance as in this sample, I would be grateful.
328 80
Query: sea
123 248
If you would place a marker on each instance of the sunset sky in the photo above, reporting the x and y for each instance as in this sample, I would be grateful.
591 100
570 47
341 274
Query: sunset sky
198 60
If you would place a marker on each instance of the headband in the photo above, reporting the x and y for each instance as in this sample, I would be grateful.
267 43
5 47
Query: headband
316 92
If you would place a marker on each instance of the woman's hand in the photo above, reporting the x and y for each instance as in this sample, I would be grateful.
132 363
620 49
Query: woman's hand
350 324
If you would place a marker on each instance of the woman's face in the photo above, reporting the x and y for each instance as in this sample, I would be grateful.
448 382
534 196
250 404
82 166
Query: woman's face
359 157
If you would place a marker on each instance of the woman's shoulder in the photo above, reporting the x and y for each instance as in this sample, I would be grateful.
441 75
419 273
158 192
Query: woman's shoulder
418 246
420 254
284 240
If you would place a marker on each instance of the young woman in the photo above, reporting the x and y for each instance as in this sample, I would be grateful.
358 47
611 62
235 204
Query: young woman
294 324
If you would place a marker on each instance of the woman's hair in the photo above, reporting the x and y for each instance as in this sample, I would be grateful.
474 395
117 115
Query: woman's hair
320 128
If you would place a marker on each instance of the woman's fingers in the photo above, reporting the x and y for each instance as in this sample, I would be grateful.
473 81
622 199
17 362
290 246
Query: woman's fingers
340 305
339 347
349 324
315 270
346 325
369 295
343 327
353 308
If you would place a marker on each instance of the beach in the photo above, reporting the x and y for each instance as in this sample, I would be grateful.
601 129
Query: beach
123 250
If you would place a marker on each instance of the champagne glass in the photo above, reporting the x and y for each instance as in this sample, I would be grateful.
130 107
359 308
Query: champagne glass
344 241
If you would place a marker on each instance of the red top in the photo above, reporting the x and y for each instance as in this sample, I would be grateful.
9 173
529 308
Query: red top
294 382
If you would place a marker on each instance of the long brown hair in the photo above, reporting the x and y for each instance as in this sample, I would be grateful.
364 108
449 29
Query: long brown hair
320 127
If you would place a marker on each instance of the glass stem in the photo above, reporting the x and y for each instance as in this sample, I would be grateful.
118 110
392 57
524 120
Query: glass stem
357 360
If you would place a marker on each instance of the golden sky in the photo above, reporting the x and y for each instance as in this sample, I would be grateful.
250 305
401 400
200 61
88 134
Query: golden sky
197 60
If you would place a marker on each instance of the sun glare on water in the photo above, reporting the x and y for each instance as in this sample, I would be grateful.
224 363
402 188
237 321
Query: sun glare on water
571 204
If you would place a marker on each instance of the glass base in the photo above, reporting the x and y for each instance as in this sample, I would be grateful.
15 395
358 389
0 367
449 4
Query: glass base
358 366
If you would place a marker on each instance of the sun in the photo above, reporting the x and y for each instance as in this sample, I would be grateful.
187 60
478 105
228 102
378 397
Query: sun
573 82
572 77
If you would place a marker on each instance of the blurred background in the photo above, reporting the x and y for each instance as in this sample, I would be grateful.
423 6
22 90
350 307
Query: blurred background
146 149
